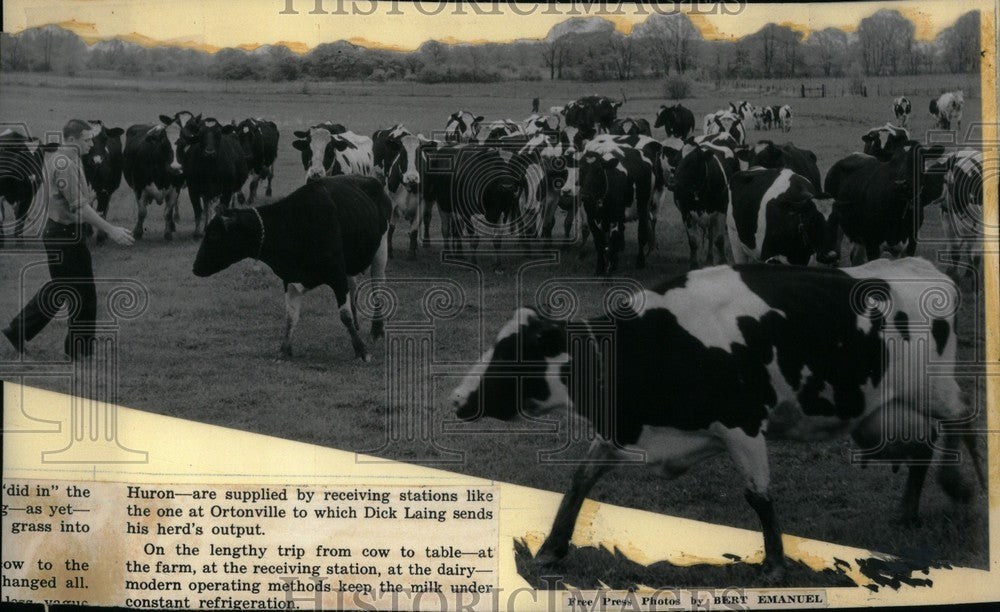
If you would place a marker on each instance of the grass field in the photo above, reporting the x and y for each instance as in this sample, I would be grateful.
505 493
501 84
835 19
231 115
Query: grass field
206 349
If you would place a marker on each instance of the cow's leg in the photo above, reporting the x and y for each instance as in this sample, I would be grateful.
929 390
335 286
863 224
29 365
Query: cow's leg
549 205
252 189
445 227
270 177
750 456
693 231
140 213
196 206
352 291
597 463
390 232
169 213
718 236
600 246
858 253
339 281
427 206
293 308
378 279
103 199
616 243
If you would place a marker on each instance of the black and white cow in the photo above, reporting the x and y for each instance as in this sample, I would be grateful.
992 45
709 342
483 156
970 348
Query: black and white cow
589 116
742 109
461 127
334 154
883 202
962 211
324 233
151 167
542 124
542 165
902 108
215 165
302 143
380 152
727 122
883 142
724 359
21 174
630 127
496 132
675 120
778 215
783 117
947 110
404 166
766 154
619 181
701 193
259 139
102 166
768 117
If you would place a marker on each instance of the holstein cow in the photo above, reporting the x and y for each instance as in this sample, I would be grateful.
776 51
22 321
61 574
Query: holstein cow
723 359
324 233
630 127
701 193
541 165
404 167
724 121
783 117
259 139
333 154
589 116
542 124
21 174
380 152
215 166
962 210
768 118
151 167
883 201
883 142
461 127
778 215
619 181
496 132
947 110
902 108
675 120
302 143
743 109
102 166
766 154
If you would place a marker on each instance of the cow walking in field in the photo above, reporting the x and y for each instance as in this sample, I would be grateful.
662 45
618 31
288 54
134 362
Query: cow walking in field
589 116
102 167
675 120
776 215
151 167
902 108
259 139
215 166
783 117
728 359
701 193
326 232
947 110
21 174
766 154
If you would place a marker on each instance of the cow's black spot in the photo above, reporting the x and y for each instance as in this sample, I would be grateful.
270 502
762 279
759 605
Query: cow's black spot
902 324
940 329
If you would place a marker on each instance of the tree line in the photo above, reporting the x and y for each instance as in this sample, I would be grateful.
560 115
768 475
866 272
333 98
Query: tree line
883 44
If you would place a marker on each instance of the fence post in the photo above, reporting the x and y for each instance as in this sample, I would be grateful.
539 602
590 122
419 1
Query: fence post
822 90
803 90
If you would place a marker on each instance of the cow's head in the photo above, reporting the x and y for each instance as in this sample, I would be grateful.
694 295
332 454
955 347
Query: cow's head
883 142
105 140
165 139
230 237
536 347
405 162
318 152
462 126
249 134
818 221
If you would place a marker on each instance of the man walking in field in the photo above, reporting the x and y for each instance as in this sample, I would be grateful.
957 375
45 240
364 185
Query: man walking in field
69 205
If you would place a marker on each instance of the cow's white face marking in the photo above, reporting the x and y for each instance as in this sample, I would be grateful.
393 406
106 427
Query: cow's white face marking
410 174
720 286
781 184
520 319
98 159
824 206
472 380
319 138
605 146
173 135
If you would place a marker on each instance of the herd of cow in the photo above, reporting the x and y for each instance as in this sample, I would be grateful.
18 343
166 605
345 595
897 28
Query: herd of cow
705 363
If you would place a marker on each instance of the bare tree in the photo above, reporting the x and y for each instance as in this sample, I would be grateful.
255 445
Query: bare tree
961 44
554 55
884 40
623 55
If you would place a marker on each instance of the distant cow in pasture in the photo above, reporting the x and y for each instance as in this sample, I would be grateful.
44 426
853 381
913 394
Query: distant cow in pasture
21 175
883 142
778 215
301 142
462 126
701 193
259 139
783 117
947 110
334 154
730 360
215 166
902 108
152 169
404 168
883 202
742 109
326 232
766 154
675 120
541 166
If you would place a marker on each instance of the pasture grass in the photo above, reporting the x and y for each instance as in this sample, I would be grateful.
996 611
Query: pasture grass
207 349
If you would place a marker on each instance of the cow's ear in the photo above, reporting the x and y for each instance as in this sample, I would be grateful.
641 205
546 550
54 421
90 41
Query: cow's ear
228 129
300 134
115 132
301 145
166 119
340 144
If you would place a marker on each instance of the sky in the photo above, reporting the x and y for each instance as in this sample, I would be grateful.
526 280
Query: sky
400 25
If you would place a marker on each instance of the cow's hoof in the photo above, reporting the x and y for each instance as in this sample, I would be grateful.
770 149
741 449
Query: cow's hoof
411 255
137 233
378 330
168 236
366 357
286 350
101 238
